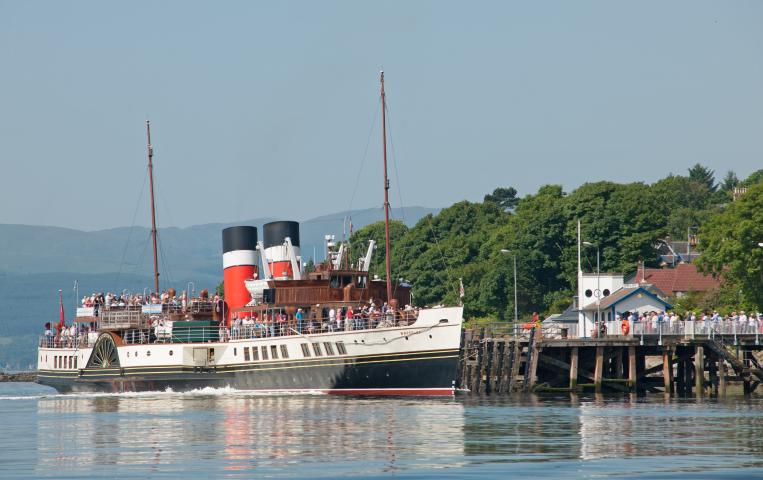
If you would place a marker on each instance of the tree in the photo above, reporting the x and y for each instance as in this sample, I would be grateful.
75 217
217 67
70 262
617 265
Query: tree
504 197
703 175
754 178
729 181
729 243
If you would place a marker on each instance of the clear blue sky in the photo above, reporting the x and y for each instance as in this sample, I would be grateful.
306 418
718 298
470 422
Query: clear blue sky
265 108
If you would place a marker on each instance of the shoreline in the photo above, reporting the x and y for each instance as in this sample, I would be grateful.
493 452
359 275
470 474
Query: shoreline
18 377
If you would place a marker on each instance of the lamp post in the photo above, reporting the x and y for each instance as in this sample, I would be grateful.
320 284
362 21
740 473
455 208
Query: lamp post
516 314
598 288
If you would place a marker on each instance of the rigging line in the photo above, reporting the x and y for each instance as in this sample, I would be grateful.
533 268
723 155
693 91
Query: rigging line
394 162
163 257
448 270
142 254
132 228
363 160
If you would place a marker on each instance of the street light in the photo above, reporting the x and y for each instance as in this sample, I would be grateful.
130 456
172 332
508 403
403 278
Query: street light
516 315
598 287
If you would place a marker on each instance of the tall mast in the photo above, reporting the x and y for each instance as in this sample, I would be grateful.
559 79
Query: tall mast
386 190
153 208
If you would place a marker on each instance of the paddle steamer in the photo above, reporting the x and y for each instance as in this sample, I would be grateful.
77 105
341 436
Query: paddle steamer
279 328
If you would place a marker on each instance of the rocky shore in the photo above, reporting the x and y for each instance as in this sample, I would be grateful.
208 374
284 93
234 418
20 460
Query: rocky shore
18 377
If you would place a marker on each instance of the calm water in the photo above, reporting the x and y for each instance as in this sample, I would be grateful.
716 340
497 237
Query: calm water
221 433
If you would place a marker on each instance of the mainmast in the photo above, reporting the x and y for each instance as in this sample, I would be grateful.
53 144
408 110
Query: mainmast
153 208
386 190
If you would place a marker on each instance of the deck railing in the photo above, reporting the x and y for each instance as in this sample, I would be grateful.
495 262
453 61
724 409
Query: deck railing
135 328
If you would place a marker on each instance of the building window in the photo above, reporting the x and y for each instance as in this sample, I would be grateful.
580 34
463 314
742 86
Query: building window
273 352
246 354
340 348
329 348
264 352
284 352
317 349
305 350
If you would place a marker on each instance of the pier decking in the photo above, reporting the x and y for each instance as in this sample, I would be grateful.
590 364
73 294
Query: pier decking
690 359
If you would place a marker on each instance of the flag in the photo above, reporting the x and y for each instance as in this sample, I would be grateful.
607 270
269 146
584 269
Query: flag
61 321
461 288
350 226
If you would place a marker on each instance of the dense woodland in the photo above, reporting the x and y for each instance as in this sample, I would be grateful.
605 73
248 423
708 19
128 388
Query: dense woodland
625 220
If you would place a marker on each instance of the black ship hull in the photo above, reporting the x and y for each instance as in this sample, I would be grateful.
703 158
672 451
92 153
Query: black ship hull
418 373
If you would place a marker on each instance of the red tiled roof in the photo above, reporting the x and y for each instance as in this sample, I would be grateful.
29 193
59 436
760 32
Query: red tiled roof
683 278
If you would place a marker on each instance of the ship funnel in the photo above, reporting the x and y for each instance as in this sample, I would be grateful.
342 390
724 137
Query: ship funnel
276 250
239 264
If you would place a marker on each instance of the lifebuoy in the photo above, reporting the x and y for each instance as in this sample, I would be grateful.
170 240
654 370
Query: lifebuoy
625 327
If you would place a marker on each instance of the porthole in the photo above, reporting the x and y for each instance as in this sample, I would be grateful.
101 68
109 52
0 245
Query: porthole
148 353
406 338
430 336
606 292
235 352
170 353
128 354
588 293
136 354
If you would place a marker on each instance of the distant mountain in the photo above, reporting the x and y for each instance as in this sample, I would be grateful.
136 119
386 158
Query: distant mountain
37 261
192 252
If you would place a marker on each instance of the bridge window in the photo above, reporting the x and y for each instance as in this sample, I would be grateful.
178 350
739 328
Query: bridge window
317 349
340 348
264 352
284 352
255 354
55 361
75 361
329 348
305 350
273 352
246 354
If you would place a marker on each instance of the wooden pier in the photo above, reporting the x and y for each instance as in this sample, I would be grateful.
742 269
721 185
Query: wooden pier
679 365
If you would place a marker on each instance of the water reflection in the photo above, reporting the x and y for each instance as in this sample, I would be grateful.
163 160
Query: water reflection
238 432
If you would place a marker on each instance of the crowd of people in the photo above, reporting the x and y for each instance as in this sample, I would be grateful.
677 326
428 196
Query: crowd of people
318 320
669 321
108 301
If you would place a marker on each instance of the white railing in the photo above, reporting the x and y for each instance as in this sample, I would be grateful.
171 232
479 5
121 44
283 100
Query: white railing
686 328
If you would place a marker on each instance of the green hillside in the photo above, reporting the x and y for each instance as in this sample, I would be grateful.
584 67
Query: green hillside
624 220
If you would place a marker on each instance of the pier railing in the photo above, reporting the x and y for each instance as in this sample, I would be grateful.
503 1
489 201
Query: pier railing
684 328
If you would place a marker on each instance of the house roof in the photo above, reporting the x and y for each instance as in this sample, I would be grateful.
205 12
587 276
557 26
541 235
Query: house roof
683 278
622 294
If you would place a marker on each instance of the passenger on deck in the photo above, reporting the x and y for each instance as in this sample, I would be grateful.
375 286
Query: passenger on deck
332 319
298 316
